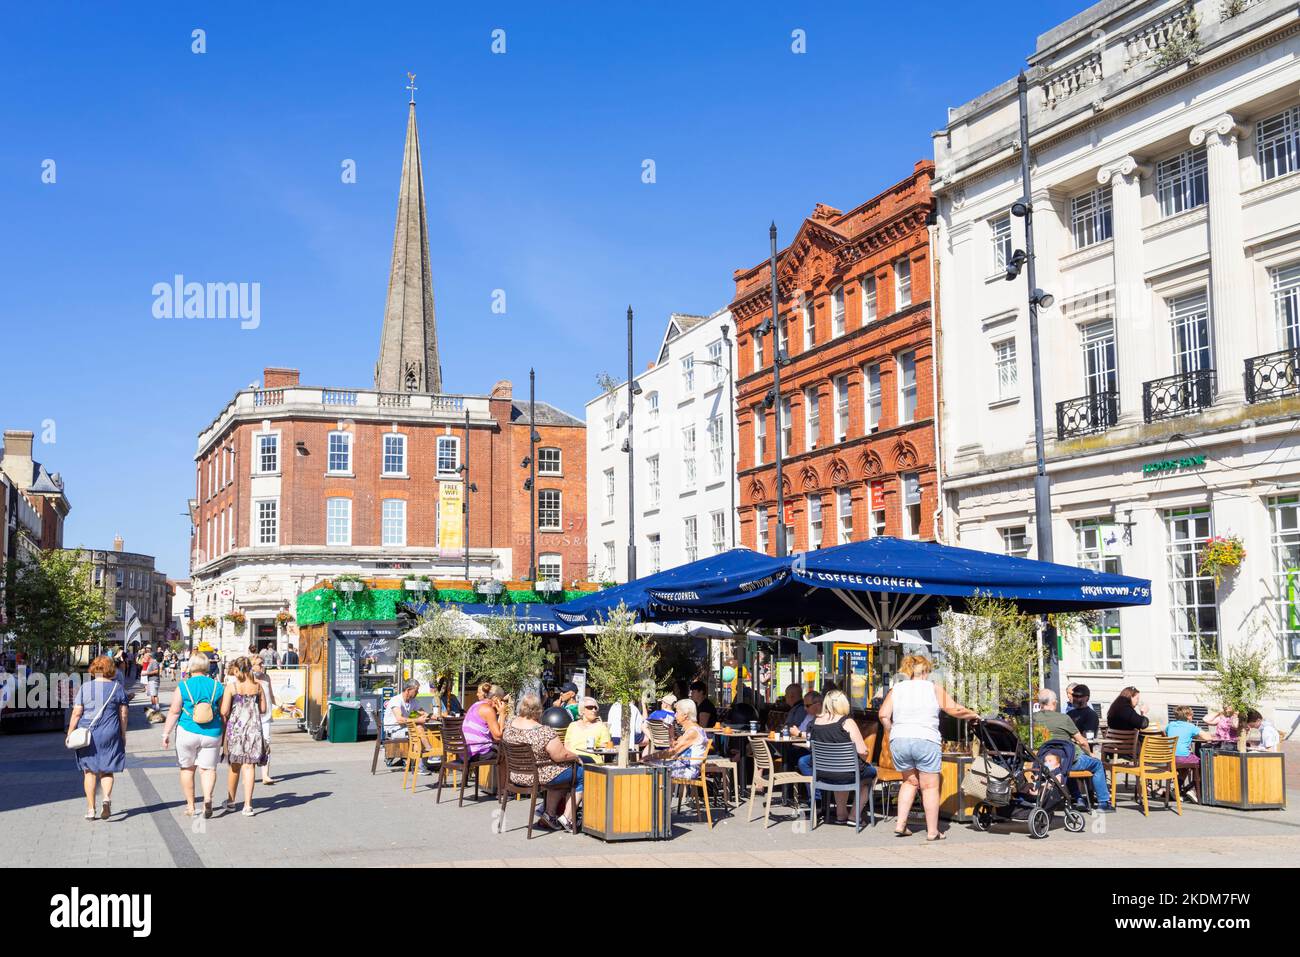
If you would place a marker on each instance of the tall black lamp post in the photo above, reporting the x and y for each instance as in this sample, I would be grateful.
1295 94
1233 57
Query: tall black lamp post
1024 259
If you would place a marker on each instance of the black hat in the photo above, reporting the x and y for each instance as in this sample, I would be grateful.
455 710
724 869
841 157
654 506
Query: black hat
1082 690
569 686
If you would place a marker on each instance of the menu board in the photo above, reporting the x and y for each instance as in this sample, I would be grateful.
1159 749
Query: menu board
361 655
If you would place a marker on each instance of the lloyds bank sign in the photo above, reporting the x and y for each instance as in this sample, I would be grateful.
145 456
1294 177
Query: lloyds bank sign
1173 465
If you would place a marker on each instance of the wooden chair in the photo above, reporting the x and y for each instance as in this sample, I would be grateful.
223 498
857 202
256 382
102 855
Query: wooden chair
701 782
719 766
1085 781
1156 762
888 777
1118 752
422 744
456 757
520 760
767 777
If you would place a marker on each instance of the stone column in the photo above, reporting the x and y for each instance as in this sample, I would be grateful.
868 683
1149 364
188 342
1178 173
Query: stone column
1233 330
1133 338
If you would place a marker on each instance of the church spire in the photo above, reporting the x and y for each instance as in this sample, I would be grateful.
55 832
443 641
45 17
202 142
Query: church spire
408 346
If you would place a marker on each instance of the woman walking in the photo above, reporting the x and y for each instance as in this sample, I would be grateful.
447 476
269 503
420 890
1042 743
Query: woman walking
262 678
195 708
100 709
910 715
242 706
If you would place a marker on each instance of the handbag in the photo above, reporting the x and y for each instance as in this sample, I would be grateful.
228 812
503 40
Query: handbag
79 738
987 782
202 712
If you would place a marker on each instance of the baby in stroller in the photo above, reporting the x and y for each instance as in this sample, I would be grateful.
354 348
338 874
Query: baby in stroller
1038 783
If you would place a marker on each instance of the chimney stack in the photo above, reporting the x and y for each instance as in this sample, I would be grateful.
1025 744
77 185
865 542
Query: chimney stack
118 544
17 460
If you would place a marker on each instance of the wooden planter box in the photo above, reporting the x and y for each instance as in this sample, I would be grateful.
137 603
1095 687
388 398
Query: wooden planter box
627 804
1248 780
954 803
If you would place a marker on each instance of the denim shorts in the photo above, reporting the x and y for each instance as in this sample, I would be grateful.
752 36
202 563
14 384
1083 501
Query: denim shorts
909 753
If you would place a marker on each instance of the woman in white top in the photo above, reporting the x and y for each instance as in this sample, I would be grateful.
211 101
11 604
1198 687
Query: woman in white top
910 715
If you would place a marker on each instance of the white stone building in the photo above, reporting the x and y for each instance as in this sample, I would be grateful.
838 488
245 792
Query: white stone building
683 448
1165 144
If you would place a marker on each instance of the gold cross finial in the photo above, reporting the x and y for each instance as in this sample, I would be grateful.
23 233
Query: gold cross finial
411 85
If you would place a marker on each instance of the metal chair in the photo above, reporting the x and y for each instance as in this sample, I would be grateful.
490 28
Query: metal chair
840 757
520 760
661 734
421 745
769 778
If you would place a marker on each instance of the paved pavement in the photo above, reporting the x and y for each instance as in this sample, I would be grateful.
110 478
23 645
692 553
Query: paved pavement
328 810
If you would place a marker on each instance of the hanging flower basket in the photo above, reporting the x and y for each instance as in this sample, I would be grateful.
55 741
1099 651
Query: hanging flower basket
1219 555
206 623
349 584
283 620
237 619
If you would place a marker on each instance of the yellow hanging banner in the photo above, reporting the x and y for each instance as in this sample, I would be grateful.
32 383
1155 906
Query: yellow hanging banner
451 496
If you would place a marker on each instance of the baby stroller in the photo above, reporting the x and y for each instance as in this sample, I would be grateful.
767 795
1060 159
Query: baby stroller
1004 792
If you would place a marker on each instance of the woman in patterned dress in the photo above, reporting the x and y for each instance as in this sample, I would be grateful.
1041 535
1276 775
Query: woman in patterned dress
553 760
242 707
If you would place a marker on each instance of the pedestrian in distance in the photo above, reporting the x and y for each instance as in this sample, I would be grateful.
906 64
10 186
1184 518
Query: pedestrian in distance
195 707
291 657
100 710
242 706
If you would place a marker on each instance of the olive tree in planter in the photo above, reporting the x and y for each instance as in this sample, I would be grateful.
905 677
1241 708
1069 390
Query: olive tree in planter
441 640
987 653
1244 677
621 666
512 658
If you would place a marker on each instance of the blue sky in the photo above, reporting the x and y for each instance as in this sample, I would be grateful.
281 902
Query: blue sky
225 167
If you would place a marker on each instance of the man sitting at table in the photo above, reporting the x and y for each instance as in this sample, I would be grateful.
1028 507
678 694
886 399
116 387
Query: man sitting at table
1269 736
398 720
589 732
704 708
1081 713
812 705
794 701
1060 726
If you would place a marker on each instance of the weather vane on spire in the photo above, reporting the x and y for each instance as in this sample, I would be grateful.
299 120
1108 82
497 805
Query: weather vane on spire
411 85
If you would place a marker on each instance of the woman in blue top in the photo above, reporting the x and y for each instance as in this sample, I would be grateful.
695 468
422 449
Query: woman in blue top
1184 731
198 744
101 708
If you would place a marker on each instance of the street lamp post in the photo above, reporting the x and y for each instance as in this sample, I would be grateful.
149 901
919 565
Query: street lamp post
632 389
774 329
1037 298
464 505
532 476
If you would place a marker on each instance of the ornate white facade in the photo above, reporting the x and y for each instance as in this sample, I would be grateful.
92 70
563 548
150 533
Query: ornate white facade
1166 202
683 440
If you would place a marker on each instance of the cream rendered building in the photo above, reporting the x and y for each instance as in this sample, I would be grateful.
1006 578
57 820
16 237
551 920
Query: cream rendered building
1166 200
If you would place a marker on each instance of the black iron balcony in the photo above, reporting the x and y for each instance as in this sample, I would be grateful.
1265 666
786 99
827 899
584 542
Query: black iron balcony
1175 395
1086 414
1274 376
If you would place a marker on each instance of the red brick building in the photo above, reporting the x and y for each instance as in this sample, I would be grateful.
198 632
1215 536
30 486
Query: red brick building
857 401
296 483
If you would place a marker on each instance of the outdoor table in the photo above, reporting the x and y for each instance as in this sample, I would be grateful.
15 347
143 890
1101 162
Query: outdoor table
612 754
743 737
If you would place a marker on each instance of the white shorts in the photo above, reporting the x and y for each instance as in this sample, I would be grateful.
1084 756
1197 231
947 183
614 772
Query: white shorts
197 750
151 687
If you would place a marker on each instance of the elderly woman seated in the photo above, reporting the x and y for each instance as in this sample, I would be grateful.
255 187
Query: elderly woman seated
588 732
556 764
686 756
